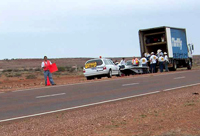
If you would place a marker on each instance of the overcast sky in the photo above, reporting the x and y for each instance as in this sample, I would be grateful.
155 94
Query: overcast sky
89 28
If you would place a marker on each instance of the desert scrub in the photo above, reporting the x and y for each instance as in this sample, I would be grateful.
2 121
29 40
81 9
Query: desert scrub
8 70
9 75
61 69
57 73
38 69
70 69
17 75
13 74
31 77
190 103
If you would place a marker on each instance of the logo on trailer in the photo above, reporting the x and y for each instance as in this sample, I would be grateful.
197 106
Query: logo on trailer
177 43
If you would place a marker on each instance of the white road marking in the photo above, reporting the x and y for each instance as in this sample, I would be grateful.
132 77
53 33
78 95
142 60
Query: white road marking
105 80
76 107
2 92
179 78
181 87
51 95
130 84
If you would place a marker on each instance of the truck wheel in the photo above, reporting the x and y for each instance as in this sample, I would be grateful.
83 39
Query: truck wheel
110 74
189 65
174 65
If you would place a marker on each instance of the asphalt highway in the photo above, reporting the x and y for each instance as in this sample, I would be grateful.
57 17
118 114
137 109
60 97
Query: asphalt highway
25 103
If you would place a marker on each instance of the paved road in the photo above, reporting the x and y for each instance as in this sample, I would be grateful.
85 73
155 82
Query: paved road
30 102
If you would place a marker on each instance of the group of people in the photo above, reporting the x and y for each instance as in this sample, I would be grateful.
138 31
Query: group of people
147 60
160 58
151 60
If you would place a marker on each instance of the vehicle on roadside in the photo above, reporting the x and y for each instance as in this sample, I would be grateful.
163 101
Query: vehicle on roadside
100 67
171 40
130 69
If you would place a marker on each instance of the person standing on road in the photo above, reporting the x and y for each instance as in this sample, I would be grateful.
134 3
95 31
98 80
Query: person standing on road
161 62
45 65
153 61
166 62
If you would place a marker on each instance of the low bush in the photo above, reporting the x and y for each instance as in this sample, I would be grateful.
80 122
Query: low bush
25 69
13 75
8 75
8 70
57 73
16 70
17 75
31 77
38 69
70 69
61 69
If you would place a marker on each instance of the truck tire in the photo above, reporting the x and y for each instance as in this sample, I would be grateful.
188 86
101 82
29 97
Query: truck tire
110 74
174 65
189 65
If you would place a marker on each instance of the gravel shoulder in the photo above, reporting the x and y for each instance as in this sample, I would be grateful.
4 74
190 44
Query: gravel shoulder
175 112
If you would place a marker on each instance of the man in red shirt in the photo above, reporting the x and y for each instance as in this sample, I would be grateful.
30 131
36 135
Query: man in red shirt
45 65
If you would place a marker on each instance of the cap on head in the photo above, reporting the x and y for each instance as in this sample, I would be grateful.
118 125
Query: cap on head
159 50
152 53
165 53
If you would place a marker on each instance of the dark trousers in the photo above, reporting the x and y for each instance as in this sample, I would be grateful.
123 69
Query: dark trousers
161 66
145 71
153 68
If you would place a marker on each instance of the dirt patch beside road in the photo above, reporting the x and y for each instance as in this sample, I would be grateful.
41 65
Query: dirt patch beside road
175 112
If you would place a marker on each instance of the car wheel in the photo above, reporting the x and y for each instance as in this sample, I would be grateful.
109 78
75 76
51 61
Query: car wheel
90 78
110 74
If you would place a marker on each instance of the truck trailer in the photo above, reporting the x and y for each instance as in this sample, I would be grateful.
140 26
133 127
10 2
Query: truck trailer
171 40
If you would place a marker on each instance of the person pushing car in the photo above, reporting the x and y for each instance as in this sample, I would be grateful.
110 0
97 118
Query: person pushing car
45 65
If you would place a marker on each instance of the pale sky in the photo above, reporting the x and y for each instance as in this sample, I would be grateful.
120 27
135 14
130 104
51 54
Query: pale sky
89 28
